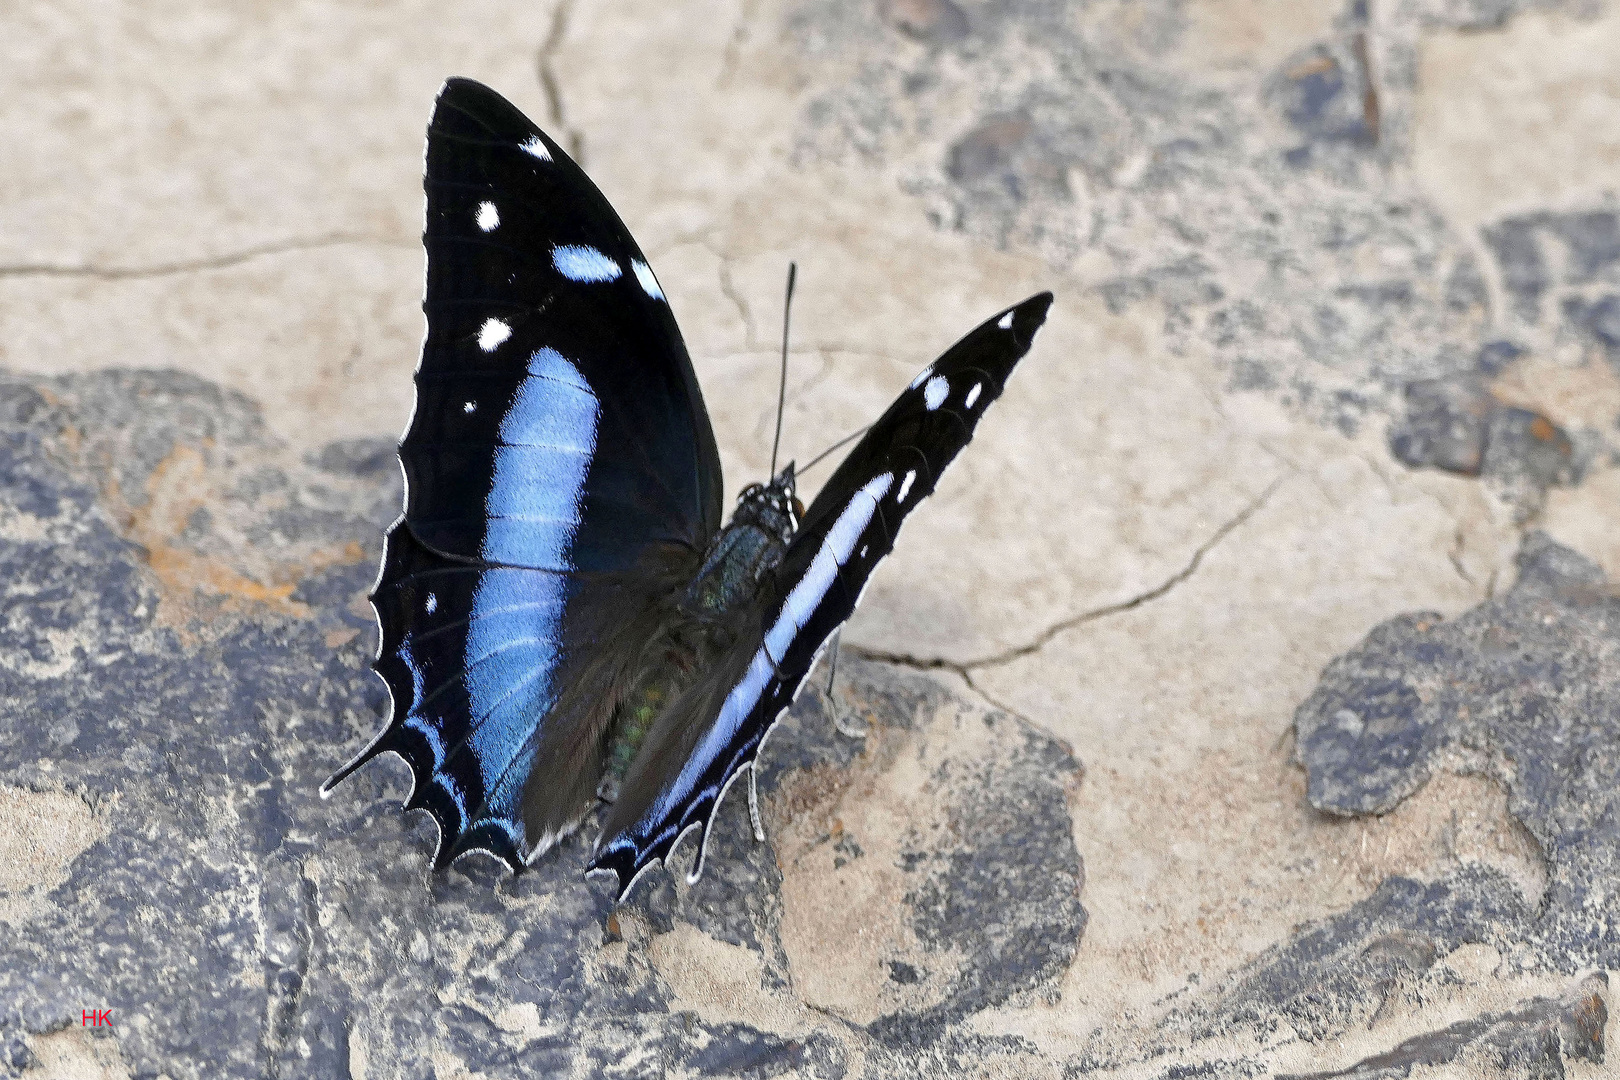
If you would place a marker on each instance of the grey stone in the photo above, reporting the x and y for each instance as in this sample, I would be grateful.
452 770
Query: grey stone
1531 1041
1074 135
1584 246
1324 96
1458 425
1523 267
240 926
1601 318
1340 972
1445 426
184 647
939 21
1525 689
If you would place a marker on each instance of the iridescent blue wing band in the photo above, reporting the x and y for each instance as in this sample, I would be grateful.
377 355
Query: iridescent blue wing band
558 423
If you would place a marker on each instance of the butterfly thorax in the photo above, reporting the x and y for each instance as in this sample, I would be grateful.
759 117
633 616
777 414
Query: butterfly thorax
747 549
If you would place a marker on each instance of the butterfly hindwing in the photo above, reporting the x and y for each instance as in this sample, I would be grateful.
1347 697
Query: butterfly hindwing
559 465
717 728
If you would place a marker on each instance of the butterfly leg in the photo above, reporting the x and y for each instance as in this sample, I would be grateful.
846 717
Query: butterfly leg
843 726
753 805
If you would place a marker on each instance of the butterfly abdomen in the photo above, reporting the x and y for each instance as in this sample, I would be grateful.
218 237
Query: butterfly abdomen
711 615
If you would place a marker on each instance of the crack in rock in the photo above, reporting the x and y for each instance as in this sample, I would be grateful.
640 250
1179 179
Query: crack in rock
317 924
551 86
191 266
1045 637
729 287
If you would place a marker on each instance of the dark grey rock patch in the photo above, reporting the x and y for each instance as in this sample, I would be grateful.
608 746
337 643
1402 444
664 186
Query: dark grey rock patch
1341 971
996 882
1586 242
1458 425
1533 1040
1006 899
239 926
936 21
1261 211
1335 975
1323 93
1524 688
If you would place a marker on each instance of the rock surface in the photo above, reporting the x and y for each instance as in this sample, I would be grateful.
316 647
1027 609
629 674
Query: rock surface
1245 702
222 897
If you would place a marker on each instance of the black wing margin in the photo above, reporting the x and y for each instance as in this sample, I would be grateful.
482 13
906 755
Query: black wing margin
846 532
561 479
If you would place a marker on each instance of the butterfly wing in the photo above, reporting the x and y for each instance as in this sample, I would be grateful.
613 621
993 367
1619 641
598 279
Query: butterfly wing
558 420
561 479
700 744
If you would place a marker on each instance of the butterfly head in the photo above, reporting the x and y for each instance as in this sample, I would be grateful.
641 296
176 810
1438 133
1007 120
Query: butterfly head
772 507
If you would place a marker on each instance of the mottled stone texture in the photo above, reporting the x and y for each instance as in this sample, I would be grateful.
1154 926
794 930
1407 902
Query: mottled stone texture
1524 689
1532 1040
1458 425
1288 531
237 925
240 926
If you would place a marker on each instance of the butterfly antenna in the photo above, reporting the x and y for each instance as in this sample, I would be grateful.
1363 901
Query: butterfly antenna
851 437
781 386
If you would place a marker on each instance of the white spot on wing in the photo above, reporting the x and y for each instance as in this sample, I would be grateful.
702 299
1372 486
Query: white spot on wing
649 283
492 333
488 216
578 262
973 395
536 147
432 603
905 485
921 375
1005 321
935 392
469 406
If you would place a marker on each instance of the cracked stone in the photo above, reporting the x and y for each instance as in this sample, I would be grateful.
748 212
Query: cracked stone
216 887
1264 220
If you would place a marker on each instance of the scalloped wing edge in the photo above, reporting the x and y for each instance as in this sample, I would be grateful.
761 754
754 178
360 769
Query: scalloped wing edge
629 870
455 838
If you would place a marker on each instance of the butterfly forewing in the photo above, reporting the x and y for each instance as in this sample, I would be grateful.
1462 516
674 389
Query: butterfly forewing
849 528
561 479
548 339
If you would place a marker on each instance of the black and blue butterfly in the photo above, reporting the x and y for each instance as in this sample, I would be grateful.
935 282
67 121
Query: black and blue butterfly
563 615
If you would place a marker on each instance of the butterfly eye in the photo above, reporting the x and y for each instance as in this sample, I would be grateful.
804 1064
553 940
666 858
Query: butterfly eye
798 509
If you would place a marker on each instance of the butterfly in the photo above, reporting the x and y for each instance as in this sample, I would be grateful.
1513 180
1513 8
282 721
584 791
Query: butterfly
562 615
